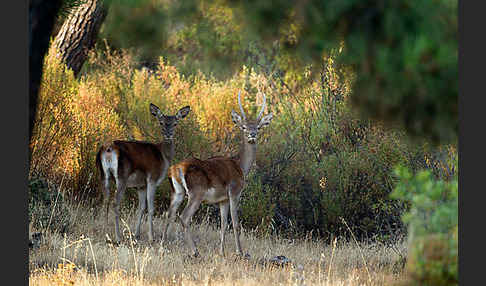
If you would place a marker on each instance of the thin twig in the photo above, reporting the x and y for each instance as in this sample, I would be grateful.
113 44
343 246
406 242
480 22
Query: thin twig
359 248
94 258
55 203
131 246
82 194
330 262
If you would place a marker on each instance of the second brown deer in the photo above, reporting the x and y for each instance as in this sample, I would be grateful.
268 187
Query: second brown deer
217 180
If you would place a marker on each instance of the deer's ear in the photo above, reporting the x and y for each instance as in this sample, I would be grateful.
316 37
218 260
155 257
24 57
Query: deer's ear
265 120
183 112
155 110
236 118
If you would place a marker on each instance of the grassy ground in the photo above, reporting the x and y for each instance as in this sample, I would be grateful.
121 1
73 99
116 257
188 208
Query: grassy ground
81 256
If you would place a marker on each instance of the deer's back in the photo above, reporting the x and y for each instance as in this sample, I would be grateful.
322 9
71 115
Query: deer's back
216 172
133 156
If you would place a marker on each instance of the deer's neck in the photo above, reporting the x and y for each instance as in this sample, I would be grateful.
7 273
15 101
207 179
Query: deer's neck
167 148
247 155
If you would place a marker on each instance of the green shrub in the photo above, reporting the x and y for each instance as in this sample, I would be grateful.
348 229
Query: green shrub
47 208
258 205
433 225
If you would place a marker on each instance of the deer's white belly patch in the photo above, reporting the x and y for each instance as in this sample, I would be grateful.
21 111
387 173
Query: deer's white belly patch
213 196
136 179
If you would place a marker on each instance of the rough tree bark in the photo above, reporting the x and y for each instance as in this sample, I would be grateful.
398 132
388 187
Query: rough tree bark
42 15
79 32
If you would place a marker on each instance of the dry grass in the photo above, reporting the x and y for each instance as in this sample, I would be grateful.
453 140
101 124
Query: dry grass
82 257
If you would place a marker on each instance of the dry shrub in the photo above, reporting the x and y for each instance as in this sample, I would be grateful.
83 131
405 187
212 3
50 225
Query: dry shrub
73 117
52 147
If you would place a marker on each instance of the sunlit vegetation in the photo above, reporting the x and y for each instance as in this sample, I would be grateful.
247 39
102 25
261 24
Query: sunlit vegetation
323 173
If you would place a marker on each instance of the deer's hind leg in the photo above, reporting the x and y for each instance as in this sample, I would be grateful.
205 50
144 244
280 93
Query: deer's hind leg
192 205
234 200
142 205
175 202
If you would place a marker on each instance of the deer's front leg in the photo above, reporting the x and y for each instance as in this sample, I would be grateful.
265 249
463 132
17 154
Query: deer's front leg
120 190
151 187
106 196
223 208
234 200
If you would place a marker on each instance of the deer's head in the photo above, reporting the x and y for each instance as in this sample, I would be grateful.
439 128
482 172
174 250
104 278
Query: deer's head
251 128
168 122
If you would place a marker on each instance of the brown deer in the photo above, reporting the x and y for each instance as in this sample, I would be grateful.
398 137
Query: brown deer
217 180
140 165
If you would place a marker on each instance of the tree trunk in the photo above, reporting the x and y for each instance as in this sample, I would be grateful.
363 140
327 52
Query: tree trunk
42 15
78 33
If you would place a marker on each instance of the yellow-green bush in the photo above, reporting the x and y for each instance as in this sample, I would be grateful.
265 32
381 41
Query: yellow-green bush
433 224
55 121
72 118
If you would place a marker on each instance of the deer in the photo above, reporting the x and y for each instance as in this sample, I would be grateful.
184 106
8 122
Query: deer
217 180
138 164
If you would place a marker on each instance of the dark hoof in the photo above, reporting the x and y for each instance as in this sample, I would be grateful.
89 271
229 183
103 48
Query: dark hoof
280 261
246 256
151 241
35 241
240 256
196 254
193 258
111 242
